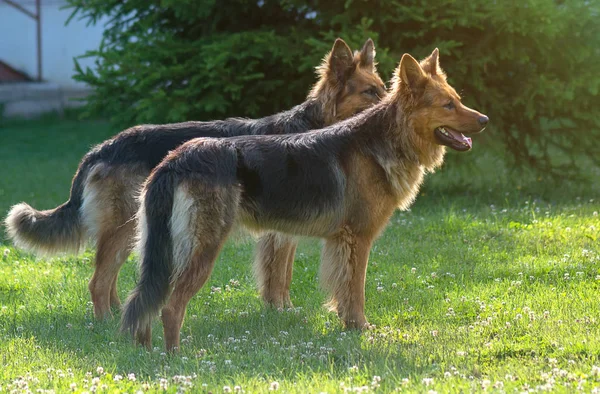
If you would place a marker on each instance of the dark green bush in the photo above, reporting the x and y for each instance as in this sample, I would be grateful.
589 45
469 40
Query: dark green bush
531 65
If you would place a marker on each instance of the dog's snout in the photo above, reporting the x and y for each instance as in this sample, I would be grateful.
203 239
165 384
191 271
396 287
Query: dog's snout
483 120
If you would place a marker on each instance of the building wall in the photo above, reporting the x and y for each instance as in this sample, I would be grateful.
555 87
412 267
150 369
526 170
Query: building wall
60 43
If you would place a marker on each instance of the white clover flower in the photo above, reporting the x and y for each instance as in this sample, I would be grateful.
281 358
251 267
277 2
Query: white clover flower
163 383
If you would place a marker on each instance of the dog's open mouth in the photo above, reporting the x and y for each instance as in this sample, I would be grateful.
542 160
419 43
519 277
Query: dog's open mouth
452 138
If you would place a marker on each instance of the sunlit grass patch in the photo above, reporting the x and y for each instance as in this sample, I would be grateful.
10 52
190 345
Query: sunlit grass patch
480 286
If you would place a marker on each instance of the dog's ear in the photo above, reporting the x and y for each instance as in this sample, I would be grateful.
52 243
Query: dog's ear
340 61
367 54
410 72
431 64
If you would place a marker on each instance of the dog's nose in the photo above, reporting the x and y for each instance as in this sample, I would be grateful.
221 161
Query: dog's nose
483 120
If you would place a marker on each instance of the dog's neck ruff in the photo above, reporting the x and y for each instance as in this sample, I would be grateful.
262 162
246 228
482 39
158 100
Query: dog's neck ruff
401 153
301 118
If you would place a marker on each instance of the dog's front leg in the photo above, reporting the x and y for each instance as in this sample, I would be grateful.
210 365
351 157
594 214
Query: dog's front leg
343 271
273 267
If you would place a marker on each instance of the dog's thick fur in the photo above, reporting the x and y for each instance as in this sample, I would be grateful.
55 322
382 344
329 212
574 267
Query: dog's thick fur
341 184
103 194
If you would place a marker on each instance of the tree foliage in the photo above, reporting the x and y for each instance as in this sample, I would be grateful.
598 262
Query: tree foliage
531 65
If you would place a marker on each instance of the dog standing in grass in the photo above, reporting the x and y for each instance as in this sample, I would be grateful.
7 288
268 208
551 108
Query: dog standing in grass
341 184
103 194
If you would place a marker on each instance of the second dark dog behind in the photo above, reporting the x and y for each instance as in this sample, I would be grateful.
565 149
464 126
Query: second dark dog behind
103 199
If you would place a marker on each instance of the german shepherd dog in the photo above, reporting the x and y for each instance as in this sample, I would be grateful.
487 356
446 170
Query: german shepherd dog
341 184
104 192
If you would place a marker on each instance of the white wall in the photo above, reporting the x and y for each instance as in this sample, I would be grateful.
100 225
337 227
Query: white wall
60 43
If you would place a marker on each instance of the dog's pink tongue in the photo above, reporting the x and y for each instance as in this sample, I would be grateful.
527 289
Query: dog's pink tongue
460 137
468 141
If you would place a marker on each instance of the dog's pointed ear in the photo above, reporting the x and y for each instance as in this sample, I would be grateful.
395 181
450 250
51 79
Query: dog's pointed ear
410 72
431 64
367 54
340 61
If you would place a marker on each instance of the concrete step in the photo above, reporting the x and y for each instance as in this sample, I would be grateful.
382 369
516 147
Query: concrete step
30 99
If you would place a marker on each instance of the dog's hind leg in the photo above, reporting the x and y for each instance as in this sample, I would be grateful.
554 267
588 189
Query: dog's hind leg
273 268
201 220
187 285
115 301
127 232
343 272
143 336
109 206
114 245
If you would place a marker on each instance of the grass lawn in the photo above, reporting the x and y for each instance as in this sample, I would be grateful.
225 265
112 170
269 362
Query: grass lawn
492 280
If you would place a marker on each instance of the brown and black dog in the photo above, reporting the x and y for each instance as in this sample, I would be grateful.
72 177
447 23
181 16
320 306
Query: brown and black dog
103 199
340 184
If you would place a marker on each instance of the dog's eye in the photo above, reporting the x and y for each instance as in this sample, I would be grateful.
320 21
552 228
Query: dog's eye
372 91
450 105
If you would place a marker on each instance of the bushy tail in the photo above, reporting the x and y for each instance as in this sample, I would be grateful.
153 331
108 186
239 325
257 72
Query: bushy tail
156 253
52 231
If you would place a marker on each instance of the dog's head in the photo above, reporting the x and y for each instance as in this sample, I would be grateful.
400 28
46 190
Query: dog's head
434 109
348 83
